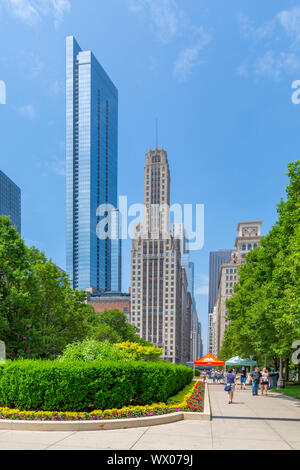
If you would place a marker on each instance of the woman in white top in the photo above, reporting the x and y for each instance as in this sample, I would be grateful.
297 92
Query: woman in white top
264 381
238 382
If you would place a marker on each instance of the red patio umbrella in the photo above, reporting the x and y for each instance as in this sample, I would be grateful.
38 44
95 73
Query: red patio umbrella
209 360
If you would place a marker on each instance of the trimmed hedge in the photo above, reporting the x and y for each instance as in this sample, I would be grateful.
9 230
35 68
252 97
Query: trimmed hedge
78 386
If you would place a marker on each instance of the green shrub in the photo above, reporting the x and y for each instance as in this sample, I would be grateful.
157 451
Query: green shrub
85 386
138 352
91 350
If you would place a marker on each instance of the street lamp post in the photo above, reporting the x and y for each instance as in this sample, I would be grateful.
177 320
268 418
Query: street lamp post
280 383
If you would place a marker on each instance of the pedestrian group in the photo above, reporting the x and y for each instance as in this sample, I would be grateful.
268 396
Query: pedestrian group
237 381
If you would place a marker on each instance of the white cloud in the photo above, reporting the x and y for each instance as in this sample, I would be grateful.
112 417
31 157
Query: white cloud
168 23
290 21
32 11
24 10
60 9
167 20
274 65
28 111
249 30
189 57
274 45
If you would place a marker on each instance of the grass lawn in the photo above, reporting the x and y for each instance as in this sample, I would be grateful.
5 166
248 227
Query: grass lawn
290 390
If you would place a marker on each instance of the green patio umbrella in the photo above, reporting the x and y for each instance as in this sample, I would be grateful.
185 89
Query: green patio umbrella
238 361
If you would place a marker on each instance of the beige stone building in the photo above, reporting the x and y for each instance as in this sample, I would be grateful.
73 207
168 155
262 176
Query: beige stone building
249 236
156 292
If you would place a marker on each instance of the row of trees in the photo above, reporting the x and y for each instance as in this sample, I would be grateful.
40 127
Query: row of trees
264 312
40 314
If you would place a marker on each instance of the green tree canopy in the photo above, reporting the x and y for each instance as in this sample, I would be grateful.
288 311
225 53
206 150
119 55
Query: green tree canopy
118 329
39 312
264 312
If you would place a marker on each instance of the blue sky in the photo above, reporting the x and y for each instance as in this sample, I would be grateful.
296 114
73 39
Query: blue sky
217 74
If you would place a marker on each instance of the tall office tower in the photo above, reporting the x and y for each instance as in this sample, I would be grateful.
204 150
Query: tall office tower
116 251
186 303
179 232
217 258
200 342
249 237
10 200
92 164
156 299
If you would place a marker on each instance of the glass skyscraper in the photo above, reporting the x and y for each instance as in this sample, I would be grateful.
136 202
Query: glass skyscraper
10 200
216 259
92 166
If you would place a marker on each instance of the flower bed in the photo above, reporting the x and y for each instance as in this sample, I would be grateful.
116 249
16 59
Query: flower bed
193 402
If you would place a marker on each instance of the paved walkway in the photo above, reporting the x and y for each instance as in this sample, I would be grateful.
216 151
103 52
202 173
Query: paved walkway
271 422
260 423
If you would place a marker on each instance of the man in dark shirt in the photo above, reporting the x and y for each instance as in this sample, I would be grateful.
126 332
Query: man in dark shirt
243 378
255 376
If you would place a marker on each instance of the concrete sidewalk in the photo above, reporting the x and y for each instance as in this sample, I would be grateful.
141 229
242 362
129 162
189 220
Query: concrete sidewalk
271 422
266 423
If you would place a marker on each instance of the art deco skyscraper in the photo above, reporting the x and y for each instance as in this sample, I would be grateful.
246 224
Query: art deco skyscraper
92 163
156 304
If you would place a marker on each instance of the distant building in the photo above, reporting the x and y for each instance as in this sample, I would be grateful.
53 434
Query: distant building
216 259
179 232
210 332
110 301
92 169
249 237
195 337
10 200
200 352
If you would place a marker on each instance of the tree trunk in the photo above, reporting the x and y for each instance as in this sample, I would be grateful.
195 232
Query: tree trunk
287 370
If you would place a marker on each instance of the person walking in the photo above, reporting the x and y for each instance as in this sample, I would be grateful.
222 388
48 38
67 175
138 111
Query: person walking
238 382
230 385
255 377
264 381
243 378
